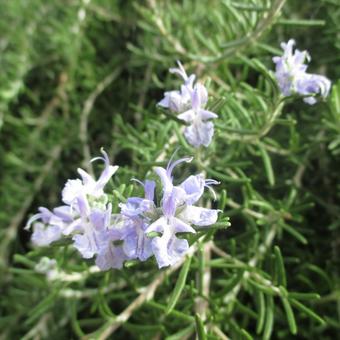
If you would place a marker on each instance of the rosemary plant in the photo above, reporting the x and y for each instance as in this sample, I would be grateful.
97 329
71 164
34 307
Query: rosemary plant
254 257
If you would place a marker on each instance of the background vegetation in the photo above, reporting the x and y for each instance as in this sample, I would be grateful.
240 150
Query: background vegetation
78 75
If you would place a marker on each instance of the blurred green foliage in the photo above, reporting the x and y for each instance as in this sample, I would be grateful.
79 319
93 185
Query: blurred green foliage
78 75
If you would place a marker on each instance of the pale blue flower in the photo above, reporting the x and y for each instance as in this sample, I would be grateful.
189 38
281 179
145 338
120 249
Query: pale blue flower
111 253
97 233
178 213
292 76
44 235
111 256
179 101
51 226
168 248
176 101
190 103
200 129
113 239
137 213
86 215
88 185
313 84
93 233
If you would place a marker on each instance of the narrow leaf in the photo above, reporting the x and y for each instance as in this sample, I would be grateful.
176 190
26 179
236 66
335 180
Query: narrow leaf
298 305
175 313
303 296
223 199
265 289
234 281
268 328
267 165
183 333
74 320
289 311
282 281
200 328
179 285
246 335
261 311
299 22
294 233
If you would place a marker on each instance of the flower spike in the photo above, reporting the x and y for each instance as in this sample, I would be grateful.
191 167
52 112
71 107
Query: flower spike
292 76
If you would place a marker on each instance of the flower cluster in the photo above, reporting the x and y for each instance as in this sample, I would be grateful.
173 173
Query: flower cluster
145 227
141 229
189 103
292 76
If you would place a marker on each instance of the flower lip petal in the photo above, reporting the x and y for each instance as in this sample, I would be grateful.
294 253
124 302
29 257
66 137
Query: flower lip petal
205 114
83 205
171 200
105 176
189 83
86 178
111 256
199 133
75 226
165 179
64 212
194 188
187 116
45 235
168 251
149 188
199 96
182 227
201 217
157 226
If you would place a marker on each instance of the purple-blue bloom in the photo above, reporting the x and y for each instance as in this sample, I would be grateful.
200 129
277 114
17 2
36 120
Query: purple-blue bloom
179 101
313 84
44 235
88 185
94 225
200 130
111 256
178 212
292 76
168 249
111 253
137 213
86 214
51 226
112 239
190 103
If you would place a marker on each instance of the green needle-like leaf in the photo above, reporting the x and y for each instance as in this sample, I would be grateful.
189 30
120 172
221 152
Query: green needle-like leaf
261 311
269 320
267 165
200 331
180 283
281 272
298 305
289 311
